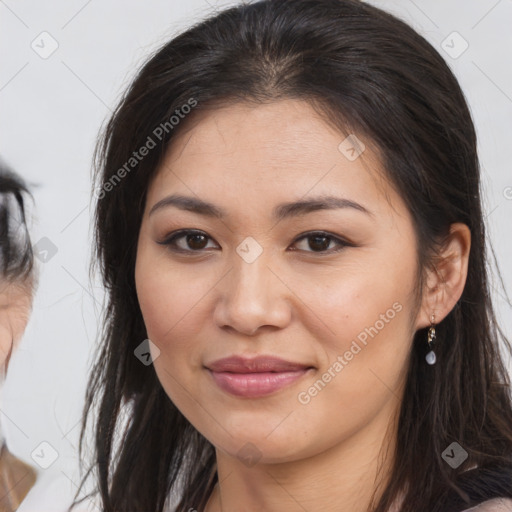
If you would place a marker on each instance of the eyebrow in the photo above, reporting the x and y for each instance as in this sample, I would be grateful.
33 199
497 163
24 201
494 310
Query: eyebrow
281 211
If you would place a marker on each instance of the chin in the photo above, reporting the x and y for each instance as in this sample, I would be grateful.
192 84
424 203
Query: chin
253 446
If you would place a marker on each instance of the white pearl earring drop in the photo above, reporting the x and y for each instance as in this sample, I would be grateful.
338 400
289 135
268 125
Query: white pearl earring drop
431 356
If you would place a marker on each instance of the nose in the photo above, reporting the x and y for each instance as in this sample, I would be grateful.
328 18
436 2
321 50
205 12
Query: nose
252 296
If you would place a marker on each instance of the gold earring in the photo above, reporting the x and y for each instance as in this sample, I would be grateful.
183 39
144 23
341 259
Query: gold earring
431 356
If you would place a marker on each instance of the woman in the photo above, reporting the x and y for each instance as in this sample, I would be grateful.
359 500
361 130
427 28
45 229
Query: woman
290 232
16 291
22 488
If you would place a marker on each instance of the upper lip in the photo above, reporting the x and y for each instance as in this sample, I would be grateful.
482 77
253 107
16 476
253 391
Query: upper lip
238 364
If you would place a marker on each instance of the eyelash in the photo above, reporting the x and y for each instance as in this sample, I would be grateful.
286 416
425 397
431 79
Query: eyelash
170 241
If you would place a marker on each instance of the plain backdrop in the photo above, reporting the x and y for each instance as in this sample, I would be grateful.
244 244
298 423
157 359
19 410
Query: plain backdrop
51 108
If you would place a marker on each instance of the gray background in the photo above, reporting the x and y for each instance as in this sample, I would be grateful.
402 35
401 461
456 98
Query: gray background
51 109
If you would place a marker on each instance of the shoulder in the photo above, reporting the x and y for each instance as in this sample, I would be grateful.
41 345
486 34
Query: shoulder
494 505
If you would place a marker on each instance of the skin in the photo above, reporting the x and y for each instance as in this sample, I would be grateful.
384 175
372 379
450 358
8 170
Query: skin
301 305
15 305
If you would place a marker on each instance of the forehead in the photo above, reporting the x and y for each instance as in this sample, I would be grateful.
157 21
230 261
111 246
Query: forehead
264 154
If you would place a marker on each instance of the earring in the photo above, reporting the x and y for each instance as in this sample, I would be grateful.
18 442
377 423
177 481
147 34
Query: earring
431 356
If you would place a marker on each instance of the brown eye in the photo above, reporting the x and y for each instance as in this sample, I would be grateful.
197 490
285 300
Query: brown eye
186 241
319 242
190 241
196 241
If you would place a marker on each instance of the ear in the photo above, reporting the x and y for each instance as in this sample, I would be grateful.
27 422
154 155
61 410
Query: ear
446 277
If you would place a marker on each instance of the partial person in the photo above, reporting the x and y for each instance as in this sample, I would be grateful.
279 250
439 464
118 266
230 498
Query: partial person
17 283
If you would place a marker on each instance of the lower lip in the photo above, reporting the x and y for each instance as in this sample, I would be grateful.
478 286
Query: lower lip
255 384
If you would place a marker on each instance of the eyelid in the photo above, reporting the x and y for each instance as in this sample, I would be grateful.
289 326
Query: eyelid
340 241
175 235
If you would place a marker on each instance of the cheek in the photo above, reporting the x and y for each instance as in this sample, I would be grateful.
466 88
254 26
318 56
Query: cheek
359 302
364 350
163 302
5 343
12 324
173 303
167 299
365 334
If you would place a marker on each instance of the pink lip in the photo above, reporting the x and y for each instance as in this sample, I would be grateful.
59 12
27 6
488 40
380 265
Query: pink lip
255 377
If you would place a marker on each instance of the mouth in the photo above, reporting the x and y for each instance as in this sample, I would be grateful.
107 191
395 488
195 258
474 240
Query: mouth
256 377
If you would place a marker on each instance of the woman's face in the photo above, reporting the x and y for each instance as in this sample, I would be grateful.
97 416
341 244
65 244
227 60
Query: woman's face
261 281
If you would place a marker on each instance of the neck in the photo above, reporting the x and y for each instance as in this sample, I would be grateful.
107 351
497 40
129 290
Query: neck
340 479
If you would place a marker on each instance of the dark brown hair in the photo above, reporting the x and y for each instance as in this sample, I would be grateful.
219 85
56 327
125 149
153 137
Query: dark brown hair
370 74
16 255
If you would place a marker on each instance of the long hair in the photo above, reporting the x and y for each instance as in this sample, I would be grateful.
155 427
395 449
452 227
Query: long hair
368 73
